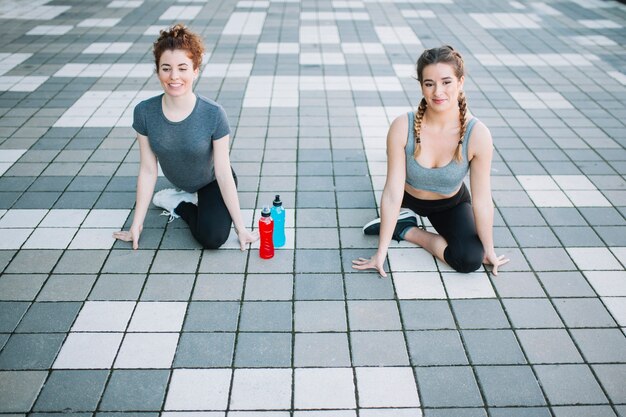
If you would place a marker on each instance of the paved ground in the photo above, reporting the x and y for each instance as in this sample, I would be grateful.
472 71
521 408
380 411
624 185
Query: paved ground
88 325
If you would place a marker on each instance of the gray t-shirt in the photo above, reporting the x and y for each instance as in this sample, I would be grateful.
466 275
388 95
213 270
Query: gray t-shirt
184 149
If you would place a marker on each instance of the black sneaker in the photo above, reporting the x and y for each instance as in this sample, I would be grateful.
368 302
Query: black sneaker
406 219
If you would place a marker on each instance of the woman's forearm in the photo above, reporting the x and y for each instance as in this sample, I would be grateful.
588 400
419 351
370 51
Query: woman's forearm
483 216
228 189
146 182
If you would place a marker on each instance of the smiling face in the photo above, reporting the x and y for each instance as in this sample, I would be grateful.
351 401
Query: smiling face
176 72
440 86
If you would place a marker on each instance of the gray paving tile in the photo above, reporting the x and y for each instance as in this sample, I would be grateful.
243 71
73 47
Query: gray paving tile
81 262
569 384
319 287
135 390
119 287
517 284
318 261
479 314
549 259
320 316
168 287
583 312
566 284
75 390
448 386
460 412
5 258
548 346
205 350
612 348
368 286
269 316
497 380
62 287
49 318
30 351
268 287
10 315
373 315
33 261
520 412
128 262
321 350
18 287
532 313
611 378
282 262
225 287
583 411
263 350
211 316
175 261
496 347
436 347
381 348
426 314
19 389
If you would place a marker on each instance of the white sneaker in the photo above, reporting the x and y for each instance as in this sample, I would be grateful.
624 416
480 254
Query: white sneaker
169 198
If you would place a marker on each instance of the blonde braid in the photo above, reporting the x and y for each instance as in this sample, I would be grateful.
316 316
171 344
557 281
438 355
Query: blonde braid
417 127
458 154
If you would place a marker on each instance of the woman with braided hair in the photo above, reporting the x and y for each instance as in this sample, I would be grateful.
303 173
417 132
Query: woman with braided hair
188 135
428 156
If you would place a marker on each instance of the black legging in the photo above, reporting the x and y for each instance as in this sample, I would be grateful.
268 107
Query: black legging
210 220
453 219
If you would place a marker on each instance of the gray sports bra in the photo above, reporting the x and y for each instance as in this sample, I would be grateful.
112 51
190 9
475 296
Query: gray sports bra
442 180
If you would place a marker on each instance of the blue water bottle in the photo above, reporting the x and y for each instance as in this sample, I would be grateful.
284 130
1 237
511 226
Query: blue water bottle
278 214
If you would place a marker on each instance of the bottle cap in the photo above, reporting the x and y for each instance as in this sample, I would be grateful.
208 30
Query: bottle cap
266 211
277 201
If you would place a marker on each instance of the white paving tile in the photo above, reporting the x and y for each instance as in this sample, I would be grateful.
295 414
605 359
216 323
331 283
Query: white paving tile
588 198
181 13
88 238
198 389
104 316
418 285
99 23
147 350
278 48
542 198
13 238
106 218
25 83
593 40
619 252
8 61
589 259
88 351
387 387
390 412
253 4
261 389
418 14
618 76
22 218
537 182
397 35
32 10
574 182
227 70
64 218
411 259
326 34
321 15
599 24
348 4
607 283
474 285
50 30
50 238
324 388
158 317
617 308
125 4
358 48
506 20
107 48
245 23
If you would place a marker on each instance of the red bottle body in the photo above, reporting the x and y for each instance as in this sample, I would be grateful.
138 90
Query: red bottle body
266 230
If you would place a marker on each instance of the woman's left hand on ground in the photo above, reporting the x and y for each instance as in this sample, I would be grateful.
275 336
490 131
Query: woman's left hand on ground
245 237
495 260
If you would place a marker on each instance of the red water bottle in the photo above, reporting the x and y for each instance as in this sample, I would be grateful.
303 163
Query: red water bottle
266 229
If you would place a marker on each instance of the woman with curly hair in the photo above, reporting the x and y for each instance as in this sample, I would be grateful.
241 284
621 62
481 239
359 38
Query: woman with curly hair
188 135
429 154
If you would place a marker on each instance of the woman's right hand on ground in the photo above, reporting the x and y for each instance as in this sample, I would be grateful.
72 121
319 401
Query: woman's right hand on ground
375 262
131 235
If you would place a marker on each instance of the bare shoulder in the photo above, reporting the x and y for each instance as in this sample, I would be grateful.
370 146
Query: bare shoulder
480 138
398 131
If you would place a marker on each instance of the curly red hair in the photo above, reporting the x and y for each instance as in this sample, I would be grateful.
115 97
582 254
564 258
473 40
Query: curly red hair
179 36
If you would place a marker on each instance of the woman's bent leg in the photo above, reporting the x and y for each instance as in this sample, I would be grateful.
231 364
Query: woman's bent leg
464 251
209 221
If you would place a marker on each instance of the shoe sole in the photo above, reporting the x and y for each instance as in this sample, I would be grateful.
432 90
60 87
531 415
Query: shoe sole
404 214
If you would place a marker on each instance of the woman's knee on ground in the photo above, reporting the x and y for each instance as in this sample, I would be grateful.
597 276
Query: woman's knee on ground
213 239
465 257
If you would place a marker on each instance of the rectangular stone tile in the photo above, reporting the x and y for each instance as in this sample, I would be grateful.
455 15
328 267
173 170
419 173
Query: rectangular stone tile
147 350
159 316
49 318
81 262
266 316
569 384
583 411
10 315
128 261
218 287
18 287
444 386
583 312
378 349
497 380
601 345
205 350
34 261
436 347
261 389
261 287
548 346
492 347
72 390
30 351
400 389
318 261
566 284
198 389
532 313
320 316
19 389
61 287
368 286
426 314
222 261
168 287
212 316
318 287
373 315
612 379
263 350
324 388
479 314
175 261
136 390
88 351
117 287
321 350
